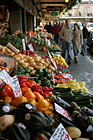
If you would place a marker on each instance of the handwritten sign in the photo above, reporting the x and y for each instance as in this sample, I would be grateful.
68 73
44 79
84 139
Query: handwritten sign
12 81
62 111
6 77
60 134
16 87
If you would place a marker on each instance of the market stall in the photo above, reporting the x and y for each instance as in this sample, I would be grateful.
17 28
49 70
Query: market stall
39 98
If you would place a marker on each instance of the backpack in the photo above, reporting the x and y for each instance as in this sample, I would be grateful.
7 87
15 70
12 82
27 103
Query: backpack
55 29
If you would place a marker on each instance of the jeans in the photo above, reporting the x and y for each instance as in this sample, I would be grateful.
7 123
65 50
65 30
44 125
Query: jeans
76 52
56 38
67 46
85 46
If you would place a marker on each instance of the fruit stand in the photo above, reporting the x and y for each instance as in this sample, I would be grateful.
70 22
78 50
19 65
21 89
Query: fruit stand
39 98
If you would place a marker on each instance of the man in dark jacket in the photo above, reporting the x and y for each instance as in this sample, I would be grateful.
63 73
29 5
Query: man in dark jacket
85 37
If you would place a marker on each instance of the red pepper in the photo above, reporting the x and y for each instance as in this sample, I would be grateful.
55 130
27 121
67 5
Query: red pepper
22 79
38 89
46 95
25 84
47 89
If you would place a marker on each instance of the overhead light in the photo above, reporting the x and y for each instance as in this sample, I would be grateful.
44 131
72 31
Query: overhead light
66 0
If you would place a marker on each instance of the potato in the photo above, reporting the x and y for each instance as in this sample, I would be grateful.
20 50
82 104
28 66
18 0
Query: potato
6 121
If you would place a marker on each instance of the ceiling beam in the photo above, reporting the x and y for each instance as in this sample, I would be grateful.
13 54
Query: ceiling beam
53 3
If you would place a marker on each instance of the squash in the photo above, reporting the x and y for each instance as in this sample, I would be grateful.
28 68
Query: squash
23 109
19 100
5 108
6 121
17 132
73 132
82 139
37 121
41 136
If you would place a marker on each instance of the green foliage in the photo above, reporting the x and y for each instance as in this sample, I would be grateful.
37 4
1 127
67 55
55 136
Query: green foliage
15 41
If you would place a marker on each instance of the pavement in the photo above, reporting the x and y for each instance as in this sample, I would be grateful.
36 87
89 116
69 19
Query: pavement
83 70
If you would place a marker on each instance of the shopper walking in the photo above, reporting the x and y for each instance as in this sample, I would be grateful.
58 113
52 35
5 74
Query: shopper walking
85 37
66 36
77 41
55 31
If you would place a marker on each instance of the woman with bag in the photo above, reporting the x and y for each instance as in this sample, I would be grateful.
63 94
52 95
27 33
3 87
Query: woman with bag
77 41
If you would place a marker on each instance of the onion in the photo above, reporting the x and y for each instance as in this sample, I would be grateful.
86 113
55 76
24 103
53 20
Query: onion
21 61
32 72
31 68
17 58
25 65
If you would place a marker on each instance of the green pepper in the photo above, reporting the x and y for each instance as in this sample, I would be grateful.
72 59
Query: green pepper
27 70
45 71
40 72
46 83
48 76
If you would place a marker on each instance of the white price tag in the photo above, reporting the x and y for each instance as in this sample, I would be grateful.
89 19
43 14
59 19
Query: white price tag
23 44
60 134
6 77
16 87
49 43
31 47
26 39
52 60
30 34
62 111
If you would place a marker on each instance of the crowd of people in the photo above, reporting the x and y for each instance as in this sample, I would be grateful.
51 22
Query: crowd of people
75 39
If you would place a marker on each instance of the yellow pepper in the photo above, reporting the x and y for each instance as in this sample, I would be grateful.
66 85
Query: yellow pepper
42 105
33 101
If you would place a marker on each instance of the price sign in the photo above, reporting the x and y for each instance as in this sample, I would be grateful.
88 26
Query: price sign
23 44
6 77
31 47
16 87
62 111
52 60
60 134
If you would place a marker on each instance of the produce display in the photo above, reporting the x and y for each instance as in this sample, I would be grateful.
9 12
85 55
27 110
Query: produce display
37 96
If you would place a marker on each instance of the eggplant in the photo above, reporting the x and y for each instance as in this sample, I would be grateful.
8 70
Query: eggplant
66 122
63 104
80 119
88 111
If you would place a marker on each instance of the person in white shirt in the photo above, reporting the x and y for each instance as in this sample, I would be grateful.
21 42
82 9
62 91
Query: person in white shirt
66 34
